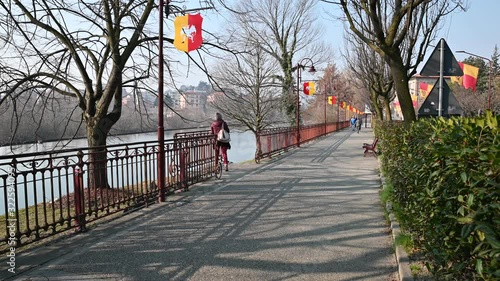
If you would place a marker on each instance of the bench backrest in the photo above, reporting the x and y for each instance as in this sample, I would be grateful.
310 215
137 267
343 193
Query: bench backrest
375 142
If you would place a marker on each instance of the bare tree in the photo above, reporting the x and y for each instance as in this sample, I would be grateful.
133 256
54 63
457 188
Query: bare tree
400 31
251 97
285 30
372 72
88 50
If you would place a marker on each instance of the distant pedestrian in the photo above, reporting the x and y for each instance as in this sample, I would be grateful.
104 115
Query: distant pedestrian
353 123
222 145
358 124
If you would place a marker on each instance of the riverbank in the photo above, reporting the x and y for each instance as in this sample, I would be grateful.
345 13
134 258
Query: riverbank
7 143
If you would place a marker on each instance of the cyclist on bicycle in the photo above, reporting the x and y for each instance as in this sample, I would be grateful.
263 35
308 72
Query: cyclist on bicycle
220 146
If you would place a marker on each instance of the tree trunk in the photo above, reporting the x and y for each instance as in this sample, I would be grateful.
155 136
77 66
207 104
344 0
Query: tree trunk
387 109
97 132
288 98
375 101
400 77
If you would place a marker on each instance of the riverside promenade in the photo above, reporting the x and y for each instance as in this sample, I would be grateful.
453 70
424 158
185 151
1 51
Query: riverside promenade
313 213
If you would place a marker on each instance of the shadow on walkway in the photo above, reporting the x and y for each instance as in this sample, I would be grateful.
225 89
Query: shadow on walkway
310 214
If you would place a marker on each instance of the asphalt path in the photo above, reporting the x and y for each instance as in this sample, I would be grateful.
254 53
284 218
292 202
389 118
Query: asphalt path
313 213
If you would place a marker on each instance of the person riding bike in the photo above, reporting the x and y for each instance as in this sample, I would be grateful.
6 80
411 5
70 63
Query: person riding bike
221 145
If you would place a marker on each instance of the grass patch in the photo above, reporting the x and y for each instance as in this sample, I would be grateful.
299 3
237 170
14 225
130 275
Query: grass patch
405 241
386 193
385 196
416 269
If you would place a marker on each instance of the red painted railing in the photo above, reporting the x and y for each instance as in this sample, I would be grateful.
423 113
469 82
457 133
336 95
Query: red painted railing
276 140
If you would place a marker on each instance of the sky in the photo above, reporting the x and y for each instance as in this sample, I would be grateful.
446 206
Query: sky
476 30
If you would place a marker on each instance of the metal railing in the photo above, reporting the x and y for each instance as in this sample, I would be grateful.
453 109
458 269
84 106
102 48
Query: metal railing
275 140
47 193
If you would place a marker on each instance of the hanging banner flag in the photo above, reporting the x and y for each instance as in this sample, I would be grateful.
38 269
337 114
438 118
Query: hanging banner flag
332 100
309 88
425 89
343 104
469 79
188 35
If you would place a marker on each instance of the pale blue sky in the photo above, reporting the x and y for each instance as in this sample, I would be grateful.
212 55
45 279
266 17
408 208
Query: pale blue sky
477 31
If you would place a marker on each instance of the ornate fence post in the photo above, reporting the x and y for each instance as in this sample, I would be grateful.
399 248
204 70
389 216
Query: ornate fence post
183 168
79 194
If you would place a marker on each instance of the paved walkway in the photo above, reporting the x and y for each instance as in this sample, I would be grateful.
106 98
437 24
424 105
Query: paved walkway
310 214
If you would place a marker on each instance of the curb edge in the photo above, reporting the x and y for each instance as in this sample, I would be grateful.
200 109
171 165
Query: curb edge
402 258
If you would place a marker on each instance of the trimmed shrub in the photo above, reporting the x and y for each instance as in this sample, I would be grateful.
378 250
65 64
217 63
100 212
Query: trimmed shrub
446 187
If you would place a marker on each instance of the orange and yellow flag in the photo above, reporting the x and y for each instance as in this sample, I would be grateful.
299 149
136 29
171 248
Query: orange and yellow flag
188 35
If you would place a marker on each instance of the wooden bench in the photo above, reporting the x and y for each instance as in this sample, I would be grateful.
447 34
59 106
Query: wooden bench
371 148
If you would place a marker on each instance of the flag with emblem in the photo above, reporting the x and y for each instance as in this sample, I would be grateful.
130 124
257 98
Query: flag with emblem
188 35
309 88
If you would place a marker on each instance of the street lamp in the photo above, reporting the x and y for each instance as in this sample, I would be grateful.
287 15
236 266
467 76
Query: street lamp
300 66
490 74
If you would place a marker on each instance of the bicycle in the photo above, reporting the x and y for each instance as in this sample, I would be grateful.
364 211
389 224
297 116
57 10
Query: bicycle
218 167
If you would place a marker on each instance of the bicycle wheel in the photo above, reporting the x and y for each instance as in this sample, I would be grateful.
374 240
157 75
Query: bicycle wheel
218 170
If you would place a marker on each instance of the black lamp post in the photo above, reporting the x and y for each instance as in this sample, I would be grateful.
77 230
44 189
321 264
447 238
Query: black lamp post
300 66
161 129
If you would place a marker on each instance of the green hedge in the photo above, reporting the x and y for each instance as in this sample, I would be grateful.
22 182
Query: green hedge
446 187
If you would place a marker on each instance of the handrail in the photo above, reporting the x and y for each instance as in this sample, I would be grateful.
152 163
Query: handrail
276 140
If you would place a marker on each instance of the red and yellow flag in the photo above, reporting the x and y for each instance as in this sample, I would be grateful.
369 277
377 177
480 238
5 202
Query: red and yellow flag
188 35
343 104
425 89
309 88
469 80
332 100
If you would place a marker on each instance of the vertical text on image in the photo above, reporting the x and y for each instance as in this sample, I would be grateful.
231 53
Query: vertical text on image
11 220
